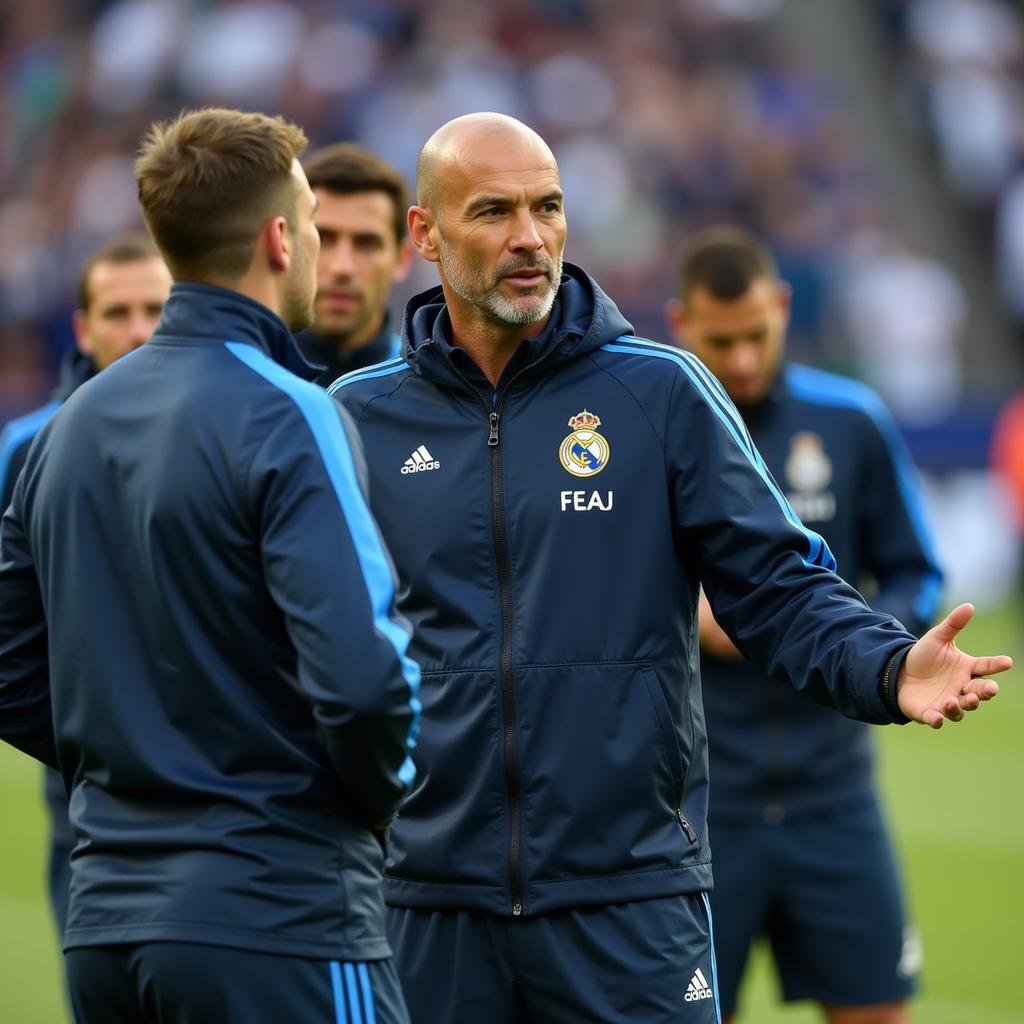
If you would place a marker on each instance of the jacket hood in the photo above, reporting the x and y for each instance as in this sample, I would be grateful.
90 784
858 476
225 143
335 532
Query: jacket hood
586 319
207 311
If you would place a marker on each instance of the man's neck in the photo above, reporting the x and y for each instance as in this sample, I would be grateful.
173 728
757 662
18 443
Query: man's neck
345 343
490 345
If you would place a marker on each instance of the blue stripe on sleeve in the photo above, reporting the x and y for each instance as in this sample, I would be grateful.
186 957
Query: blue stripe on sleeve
714 962
340 1013
353 996
378 370
323 420
17 432
818 554
367 987
820 388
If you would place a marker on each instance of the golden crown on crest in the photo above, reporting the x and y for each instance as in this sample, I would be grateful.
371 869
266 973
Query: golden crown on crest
585 421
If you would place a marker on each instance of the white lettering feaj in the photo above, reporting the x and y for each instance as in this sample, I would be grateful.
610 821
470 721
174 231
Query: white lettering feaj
578 501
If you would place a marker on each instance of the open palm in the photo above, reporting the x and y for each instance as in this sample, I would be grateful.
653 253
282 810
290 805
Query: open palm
939 681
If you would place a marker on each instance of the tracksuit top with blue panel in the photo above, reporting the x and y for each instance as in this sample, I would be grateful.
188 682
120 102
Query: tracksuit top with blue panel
549 553
838 456
17 436
230 696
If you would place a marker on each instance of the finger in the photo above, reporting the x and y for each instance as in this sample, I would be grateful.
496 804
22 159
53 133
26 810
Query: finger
991 665
970 701
951 709
932 717
948 628
985 689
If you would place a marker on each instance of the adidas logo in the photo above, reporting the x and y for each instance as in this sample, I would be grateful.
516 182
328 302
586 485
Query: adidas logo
698 988
420 461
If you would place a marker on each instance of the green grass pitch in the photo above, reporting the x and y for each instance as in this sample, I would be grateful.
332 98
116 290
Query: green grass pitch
955 799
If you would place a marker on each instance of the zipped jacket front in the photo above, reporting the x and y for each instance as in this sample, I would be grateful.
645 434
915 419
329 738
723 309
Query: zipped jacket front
550 537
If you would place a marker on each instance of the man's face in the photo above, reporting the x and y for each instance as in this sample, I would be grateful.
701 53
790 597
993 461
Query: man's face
360 260
125 301
741 340
500 233
297 307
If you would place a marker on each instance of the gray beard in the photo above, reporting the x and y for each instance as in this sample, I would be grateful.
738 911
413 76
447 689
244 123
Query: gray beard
529 309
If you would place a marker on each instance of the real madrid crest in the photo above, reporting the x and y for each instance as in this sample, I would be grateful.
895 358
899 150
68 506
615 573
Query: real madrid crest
584 452
808 468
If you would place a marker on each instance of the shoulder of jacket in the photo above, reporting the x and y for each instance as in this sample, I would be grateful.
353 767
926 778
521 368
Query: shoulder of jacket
678 371
831 391
361 386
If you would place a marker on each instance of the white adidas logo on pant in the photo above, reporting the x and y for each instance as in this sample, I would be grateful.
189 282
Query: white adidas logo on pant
698 987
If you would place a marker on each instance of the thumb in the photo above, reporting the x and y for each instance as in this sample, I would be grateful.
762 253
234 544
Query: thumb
946 631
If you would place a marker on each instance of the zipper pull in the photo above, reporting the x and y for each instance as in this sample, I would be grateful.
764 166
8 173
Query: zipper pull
517 910
686 826
492 438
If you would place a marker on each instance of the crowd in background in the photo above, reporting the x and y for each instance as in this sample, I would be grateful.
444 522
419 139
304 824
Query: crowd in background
663 115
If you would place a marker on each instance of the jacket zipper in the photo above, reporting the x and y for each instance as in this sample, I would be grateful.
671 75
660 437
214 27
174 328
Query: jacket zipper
506 681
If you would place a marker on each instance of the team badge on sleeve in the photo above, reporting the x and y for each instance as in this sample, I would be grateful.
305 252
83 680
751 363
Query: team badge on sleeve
584 452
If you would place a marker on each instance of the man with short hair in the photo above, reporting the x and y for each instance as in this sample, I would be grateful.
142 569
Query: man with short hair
802 854
552 865
187 534
122 288
364 251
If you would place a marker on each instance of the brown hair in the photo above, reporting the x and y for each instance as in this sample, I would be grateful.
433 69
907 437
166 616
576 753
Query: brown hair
208 182
134 248
345 168
725 260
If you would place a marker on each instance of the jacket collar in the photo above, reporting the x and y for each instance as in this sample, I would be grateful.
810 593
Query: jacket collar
75 370
206 312
323 352
583 319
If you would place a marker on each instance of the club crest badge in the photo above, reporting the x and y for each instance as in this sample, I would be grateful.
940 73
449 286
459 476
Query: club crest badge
584 452
808 468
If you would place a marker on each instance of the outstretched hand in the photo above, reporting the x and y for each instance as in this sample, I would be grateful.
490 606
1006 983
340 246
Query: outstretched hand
938 681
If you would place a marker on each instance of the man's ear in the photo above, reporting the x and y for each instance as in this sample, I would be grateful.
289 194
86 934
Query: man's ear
79 324
675 317
421 232
275 241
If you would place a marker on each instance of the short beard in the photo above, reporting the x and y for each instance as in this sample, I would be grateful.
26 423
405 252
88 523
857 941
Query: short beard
486 295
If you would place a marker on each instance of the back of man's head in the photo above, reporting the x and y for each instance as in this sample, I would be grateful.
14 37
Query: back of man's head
346 168
724 260
209 180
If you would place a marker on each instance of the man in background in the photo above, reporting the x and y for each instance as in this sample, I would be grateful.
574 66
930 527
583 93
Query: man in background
121 291
364 251
185 536
802 855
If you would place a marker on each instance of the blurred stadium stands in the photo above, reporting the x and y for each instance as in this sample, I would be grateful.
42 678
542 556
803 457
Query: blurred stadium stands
664 114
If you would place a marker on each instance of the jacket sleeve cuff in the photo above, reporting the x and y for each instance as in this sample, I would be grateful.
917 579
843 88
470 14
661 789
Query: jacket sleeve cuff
887 684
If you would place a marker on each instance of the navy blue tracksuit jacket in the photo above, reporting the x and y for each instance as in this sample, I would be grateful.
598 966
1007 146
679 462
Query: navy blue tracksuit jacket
550 538
15 441
835 451
224 686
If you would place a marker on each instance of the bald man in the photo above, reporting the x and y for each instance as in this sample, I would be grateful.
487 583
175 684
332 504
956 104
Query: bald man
554 491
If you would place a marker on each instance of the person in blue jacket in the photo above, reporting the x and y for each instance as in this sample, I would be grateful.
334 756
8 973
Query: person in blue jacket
197 627
802 855
364 252
554 491
122 289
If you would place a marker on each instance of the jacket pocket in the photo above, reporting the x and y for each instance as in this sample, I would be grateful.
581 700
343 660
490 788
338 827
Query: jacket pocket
601 775
670 745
